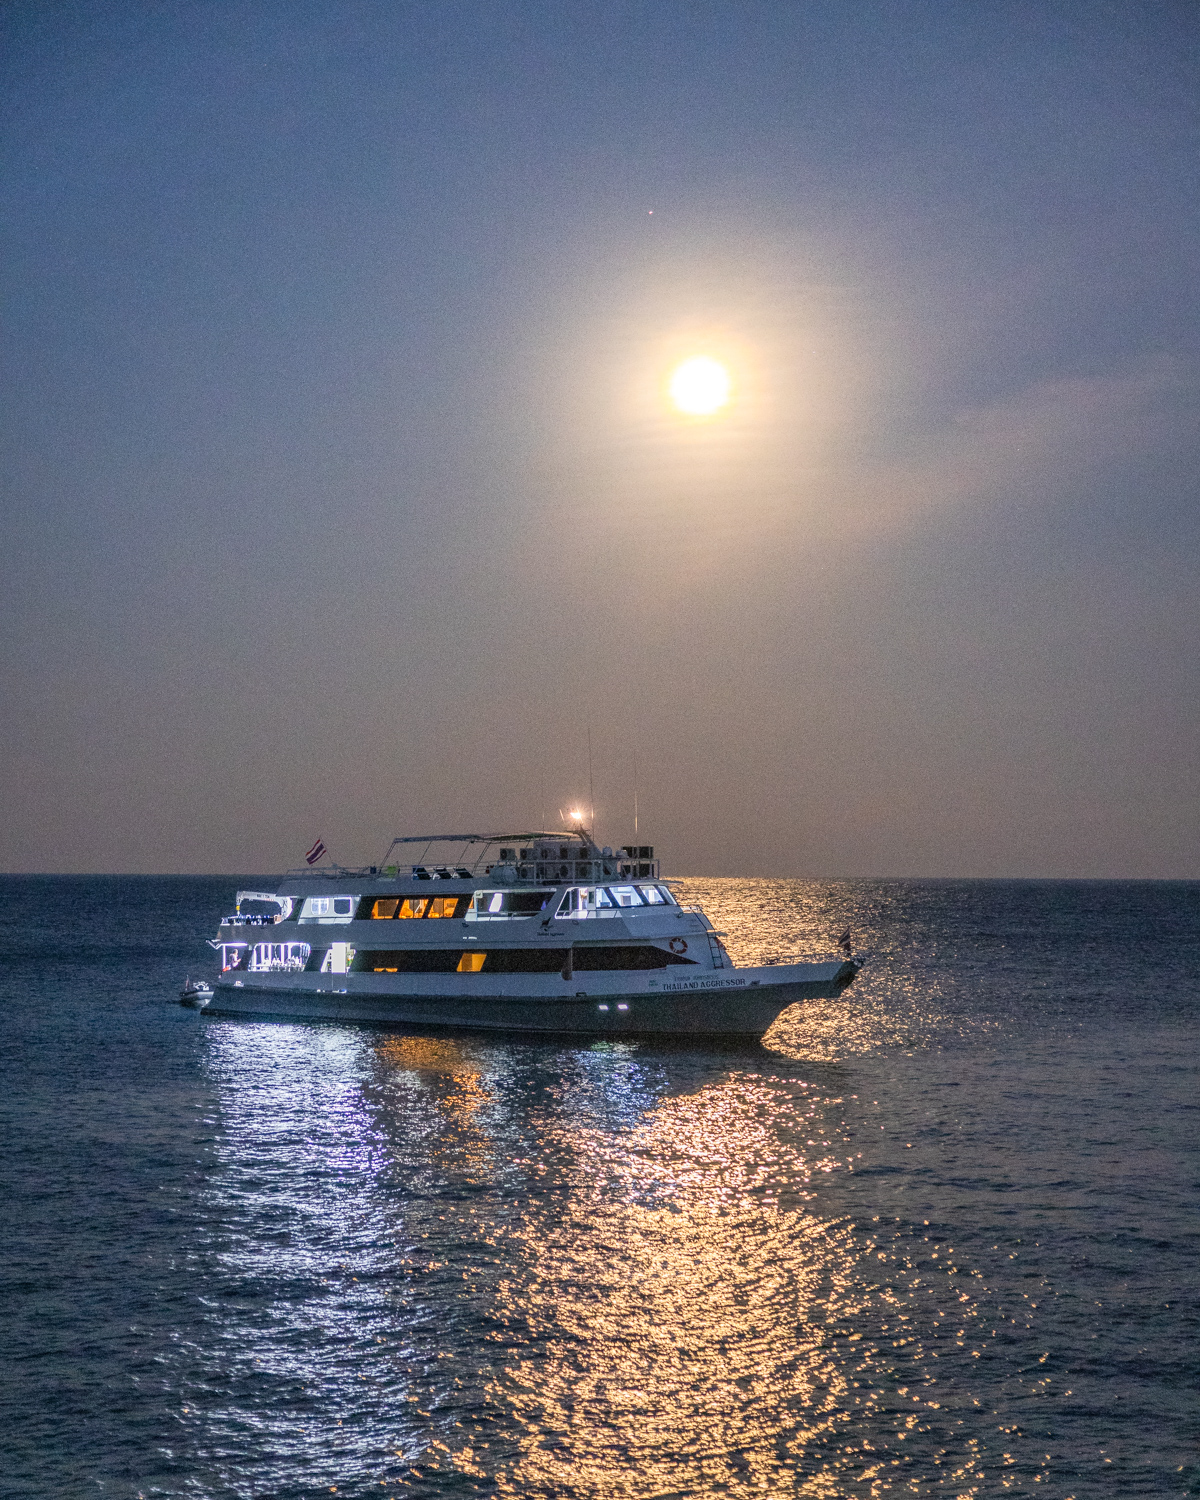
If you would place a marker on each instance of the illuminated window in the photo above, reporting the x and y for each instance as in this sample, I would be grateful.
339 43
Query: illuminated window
603 898
471 963
448 906
385 908
276 958
651 895
414 907
626 895
324 908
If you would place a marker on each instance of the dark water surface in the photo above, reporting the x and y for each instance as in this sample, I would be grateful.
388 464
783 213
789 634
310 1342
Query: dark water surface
937 1237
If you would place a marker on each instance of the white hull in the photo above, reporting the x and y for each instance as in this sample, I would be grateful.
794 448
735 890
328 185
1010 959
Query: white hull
670 1002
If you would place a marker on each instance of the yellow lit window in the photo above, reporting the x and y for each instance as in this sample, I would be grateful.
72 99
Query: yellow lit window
387 971
446 906
385 908
471 963
414 907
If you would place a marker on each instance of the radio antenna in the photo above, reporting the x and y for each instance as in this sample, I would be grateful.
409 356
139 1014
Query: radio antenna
591 785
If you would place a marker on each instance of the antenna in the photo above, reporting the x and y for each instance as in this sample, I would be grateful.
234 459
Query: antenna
635 827
591 785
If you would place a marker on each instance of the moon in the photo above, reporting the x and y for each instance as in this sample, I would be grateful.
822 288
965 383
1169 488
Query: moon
700 387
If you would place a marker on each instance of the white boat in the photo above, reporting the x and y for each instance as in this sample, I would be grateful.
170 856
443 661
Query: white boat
196 993
532 932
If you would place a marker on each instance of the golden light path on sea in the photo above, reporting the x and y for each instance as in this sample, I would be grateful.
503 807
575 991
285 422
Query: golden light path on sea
676 1313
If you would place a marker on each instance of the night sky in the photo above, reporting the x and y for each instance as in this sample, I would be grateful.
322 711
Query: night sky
342 498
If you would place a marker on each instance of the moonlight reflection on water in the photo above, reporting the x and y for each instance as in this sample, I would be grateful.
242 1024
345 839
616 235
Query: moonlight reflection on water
934 1237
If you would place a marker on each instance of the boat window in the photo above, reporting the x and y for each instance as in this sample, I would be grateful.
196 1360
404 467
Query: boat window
330 908
403 960
574 903
385 908
414 906
233 956
510 903
471 963
626 895
448 906
585 957
652 895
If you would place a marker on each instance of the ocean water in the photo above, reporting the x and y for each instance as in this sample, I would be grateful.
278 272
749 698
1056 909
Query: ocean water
937 1237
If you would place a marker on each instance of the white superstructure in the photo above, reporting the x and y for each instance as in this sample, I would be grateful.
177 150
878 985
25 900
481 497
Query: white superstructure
532 932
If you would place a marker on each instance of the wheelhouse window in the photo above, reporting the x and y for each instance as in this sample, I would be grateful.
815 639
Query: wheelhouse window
574 903
626 895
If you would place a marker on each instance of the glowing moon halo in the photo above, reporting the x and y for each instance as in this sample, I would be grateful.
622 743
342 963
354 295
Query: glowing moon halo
700 387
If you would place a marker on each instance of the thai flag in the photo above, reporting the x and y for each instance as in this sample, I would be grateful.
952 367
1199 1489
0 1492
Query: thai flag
315 853
844 941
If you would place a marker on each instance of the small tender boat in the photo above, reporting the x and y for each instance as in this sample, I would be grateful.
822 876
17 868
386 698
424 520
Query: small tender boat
532 932
196 992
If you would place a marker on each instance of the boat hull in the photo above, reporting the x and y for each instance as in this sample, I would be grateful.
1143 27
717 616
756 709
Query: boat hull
718 1002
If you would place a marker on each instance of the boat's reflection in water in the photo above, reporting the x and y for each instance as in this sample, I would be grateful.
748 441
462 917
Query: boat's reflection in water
556 1269
666 1307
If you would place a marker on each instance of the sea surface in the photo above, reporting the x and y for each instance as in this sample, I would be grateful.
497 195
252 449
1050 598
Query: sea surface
940 1236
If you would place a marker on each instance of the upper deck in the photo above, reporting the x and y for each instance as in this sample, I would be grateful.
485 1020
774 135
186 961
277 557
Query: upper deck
470 877
540 858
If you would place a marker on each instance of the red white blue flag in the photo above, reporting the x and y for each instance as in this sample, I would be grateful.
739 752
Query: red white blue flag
315 853
844 941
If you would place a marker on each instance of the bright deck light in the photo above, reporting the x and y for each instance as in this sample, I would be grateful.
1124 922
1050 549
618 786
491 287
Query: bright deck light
700 387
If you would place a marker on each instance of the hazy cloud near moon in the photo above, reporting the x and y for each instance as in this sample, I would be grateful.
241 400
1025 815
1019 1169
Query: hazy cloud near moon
1054 435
